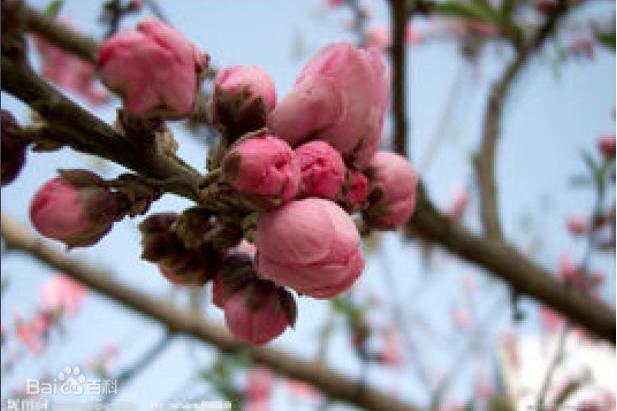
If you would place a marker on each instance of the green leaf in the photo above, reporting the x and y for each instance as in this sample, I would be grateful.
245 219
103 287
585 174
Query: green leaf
506 8
578 181
480 10
53 8
500 403
590 162
607 39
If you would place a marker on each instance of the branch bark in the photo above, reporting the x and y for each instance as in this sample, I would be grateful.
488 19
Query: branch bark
61 35
507 263
485 158
71 125
399 14
331 383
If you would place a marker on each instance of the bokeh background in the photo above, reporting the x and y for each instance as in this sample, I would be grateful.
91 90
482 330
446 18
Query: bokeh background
450 315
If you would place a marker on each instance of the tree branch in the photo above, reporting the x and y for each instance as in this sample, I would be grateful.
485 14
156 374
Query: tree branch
331 383
507 263
61 35
399 14
485 158
71 125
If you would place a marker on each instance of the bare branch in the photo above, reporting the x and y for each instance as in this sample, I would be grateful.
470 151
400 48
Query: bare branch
399 14
331 383
61 35
507 263
70 124
485 158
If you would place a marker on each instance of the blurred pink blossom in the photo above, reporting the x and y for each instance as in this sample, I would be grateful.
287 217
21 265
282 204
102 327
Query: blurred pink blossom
460 318
458 203
583 47
469 283
34 333
508 341
378 36
70 72
302 390
391 353
259 383
60 293
577 225
550 319
412 35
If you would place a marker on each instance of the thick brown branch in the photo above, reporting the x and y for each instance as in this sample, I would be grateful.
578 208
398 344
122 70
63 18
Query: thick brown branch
485 158
399 14
509 264
70 124
331 383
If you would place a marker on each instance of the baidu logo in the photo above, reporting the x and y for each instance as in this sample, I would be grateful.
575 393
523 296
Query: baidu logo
71 381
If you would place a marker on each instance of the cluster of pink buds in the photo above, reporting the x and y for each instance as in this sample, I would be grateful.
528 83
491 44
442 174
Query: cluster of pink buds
303 166
286 177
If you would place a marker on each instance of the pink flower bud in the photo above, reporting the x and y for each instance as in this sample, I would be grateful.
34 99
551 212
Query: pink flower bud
237 272
177 262
259 312
412 34
546 6
311 246
459 203
77 214
243 97
334 3
13 149
378 36
567 267
577 225
154 68
606 145
356 188
322 170
219 291
394 198
135 5
259 383
340 97
263 165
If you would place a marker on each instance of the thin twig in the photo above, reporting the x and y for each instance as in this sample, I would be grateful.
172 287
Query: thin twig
399 15
145 360
485 158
